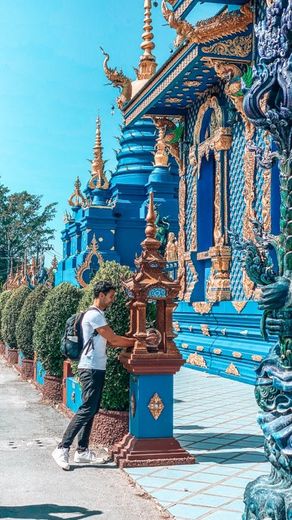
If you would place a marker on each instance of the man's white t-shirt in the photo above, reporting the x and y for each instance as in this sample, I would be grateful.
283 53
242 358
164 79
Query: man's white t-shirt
96 358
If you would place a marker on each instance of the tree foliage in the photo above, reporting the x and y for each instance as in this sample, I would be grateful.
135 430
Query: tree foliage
4 297
23 227
11 313
25 323
60 304
116 388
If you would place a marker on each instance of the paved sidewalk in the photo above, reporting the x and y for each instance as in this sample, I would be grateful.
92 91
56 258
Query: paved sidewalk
215 419
34 488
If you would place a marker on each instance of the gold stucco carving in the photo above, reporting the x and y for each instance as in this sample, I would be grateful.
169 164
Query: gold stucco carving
77 199
224 24
217 351
218 286
239 306
197 360
156 406
202 307
237 355
238 46
165 144
231 74
200 348
190 287
92 251
171 250
256 357
119 80
205 329
231 369
98 177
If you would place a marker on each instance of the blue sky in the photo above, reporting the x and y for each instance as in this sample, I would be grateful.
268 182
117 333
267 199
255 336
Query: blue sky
52 87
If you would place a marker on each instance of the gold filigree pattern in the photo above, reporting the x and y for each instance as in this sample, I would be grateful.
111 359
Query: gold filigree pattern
218 286
223 24
237 355
191 83
77 199
231 74
92 251
231 369
133 404
239 46
164 144
205 329
202 307
98 178
217 351
184 345
182 236
200 348
256 357
197 360
156 406
239 306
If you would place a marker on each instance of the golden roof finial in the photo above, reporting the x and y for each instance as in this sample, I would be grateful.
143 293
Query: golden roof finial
76 198
147 65
98 178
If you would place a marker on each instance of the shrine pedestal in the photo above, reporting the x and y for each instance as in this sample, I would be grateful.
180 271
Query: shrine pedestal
150 440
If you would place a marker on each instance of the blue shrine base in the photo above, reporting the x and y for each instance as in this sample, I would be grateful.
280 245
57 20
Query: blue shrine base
21 356
40 373
223 341
73 394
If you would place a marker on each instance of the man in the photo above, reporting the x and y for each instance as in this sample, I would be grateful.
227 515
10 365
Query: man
91 370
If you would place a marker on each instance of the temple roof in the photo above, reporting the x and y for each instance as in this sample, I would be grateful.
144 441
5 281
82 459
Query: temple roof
186 74
184 7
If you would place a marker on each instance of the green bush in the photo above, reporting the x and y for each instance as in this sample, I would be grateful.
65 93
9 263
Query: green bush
25 324
60 304
11 314
4 297
116 388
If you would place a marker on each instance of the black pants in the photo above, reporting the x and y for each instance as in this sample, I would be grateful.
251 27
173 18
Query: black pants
92 382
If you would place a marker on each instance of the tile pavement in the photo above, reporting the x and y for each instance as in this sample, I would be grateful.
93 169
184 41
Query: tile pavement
215 419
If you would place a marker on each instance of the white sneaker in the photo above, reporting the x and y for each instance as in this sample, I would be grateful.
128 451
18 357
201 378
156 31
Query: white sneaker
61 457
89 456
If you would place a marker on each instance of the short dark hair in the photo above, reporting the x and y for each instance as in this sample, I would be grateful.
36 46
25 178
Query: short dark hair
104 287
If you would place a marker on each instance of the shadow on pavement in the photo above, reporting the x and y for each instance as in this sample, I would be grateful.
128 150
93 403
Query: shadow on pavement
212 441
46 512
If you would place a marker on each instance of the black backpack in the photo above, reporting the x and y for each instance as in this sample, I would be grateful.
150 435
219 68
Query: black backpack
72 342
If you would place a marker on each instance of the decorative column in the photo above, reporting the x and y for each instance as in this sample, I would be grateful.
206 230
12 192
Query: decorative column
151 363
270 497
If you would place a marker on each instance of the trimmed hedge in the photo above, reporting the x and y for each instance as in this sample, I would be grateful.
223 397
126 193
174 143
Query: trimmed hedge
116 388
49 327
25 324
4 297
11 313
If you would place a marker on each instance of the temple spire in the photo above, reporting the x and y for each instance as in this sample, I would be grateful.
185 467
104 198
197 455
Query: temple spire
98 178
147 65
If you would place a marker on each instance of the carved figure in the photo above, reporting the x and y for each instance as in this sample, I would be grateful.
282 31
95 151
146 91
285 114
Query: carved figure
162 226
119 80
171 250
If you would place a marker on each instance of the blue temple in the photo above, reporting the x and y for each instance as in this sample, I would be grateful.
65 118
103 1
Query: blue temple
187 139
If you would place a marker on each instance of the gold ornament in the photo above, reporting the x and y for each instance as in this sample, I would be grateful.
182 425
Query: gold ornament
197 360
93 251
238 46
98 178
231 369
77 199
156 406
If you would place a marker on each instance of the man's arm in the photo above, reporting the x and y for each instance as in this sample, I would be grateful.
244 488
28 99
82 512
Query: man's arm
113 339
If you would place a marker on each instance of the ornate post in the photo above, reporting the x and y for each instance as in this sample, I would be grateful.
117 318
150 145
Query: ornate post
152 363
268 104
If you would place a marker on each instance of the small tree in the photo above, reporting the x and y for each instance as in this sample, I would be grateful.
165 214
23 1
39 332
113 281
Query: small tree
25 324
11 314
4 297
49 327
116 388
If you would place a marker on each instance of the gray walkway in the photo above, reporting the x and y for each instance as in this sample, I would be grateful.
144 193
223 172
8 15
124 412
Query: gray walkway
215 419
32 487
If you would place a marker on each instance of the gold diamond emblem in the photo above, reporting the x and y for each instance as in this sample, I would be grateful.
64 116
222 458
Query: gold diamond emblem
155 406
